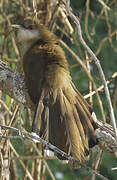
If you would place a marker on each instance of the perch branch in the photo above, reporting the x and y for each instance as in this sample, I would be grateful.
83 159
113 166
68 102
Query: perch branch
50 146
12 83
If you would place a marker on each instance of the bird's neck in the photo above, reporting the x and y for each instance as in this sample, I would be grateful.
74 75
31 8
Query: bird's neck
26 46
46 38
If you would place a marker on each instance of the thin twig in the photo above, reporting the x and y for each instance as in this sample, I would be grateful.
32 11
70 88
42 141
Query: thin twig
45 163
86 20
114 76
103 4
21 162
97 164
31 157
6 107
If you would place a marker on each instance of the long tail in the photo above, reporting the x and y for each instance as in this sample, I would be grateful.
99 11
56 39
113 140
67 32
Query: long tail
65 121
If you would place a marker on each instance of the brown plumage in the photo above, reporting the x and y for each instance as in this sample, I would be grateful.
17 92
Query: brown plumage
65 118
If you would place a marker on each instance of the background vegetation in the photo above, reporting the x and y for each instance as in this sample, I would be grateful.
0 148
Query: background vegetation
98 19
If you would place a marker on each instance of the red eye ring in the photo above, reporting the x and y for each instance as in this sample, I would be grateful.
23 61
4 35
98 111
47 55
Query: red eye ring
31 27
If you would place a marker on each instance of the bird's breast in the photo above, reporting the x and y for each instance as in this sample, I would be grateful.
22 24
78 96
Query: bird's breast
57 77
45 66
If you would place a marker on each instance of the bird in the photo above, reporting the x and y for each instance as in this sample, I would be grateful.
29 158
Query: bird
64 117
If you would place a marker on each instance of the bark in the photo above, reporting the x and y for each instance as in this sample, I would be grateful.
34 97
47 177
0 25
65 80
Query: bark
12 83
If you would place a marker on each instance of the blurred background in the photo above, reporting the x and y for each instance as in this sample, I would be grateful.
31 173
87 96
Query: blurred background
98 19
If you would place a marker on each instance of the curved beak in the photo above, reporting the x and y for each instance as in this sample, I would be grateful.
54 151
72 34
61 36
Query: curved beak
17 26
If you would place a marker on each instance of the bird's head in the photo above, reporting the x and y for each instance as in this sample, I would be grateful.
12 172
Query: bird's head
31 30
27 31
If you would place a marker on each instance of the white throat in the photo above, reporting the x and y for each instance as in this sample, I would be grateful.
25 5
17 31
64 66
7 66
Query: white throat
27 38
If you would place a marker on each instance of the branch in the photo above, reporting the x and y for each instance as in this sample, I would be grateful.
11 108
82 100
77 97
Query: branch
106 137
48 145
13 84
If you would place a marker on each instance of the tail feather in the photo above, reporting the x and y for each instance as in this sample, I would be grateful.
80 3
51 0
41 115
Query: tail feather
66 122
74 135
81 129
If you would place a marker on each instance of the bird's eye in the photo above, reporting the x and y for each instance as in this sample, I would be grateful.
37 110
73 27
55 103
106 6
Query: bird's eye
31 27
